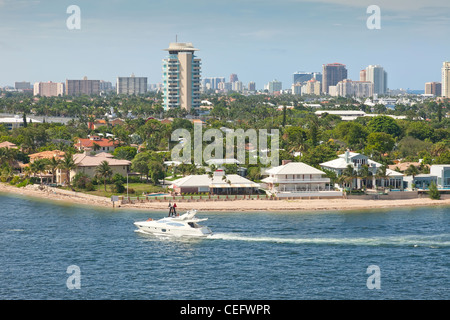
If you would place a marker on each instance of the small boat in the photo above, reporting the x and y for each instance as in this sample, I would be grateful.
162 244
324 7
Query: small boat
184 225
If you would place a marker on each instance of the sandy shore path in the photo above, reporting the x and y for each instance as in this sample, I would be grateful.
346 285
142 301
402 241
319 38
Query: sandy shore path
235 205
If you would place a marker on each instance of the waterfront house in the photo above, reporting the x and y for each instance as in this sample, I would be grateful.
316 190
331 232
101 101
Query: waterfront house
88 164
420 181
357 161
218 183
297 179
442 173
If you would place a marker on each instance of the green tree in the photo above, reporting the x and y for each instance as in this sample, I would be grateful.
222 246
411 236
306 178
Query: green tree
434 192
103 170
380 142
67 164
384 124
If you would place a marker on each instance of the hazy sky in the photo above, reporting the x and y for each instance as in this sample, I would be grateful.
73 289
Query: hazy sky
260 40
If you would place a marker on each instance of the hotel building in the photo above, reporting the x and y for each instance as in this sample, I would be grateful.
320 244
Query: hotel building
181 77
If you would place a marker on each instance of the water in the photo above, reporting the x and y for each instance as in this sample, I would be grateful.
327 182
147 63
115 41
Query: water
257 256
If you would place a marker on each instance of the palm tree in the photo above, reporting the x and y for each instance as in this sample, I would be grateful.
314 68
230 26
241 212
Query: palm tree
104 171
349 174
53 165
364 174
38 166
67 164
382 174
412 171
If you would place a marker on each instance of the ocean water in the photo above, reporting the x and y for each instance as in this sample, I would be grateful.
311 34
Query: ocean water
253 255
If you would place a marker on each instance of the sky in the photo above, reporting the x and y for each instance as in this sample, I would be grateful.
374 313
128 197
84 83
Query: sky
259 40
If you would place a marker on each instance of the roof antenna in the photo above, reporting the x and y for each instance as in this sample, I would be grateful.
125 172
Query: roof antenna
176 38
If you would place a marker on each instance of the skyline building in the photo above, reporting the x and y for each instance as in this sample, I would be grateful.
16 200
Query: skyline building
302 76
358 89
131 85
274 86
251 86
181 77
312 86
80 87
434 88
332 74
233 77
446 79
377 75
48 89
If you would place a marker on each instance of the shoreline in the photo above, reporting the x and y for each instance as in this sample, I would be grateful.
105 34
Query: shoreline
78 198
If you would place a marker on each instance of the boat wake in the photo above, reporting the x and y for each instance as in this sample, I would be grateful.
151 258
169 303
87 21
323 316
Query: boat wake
435 241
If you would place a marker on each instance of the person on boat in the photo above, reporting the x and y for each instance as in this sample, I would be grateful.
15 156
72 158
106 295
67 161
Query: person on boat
170 209
174 210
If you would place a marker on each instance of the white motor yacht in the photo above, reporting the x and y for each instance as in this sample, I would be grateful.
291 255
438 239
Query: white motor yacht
184 225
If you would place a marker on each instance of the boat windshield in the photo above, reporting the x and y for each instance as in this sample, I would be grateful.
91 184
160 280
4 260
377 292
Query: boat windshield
193 225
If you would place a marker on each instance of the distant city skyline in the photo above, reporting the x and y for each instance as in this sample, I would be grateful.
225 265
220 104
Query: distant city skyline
235 37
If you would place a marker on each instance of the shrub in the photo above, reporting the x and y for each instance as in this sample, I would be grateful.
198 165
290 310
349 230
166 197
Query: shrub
434 192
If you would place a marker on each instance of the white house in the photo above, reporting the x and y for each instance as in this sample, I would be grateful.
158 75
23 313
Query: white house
393 178
297 179
219 183
442 172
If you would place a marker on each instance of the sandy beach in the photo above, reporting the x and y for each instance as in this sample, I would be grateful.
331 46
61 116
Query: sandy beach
235 205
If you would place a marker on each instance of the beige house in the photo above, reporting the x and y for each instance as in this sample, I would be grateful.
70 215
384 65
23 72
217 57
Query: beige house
88 165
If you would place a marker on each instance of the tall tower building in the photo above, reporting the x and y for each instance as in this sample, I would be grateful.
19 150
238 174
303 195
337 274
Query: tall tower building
233 77
332 74
446 79
181 77
377 75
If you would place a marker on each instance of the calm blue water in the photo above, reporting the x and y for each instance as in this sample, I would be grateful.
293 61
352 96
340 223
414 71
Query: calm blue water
278 256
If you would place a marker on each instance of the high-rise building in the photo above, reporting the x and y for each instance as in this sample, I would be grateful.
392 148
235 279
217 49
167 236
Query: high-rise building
301 77
131 85
80 87
446 79
181 77
251 86
233 77
312 87
274 86
22 85
48 89
358 89
377 75
362 75
105 86
332 74
434 88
